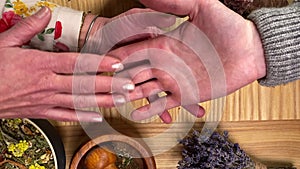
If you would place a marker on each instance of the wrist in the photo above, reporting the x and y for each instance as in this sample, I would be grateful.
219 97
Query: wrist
91 24
258 52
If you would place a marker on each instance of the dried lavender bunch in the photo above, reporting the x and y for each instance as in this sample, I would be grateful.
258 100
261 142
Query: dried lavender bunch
239 6
212 150
245 7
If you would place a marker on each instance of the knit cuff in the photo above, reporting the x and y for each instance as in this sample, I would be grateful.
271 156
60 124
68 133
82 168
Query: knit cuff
279 29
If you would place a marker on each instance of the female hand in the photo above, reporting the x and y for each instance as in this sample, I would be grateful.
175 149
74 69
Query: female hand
100 35
39 84
185 65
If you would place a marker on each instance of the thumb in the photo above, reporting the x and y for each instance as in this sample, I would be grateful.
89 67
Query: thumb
27 28
177 7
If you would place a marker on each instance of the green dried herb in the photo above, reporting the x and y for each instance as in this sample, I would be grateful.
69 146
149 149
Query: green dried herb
125 154
22 146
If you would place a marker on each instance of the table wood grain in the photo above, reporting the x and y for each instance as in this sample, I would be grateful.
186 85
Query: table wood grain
270 142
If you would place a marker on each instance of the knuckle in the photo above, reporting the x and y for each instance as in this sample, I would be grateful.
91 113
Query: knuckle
84 62
47 61
46 82
29 24
83 85
79 102
46 114
81 65
54 101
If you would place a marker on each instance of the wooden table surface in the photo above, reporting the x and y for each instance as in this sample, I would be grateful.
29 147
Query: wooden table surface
264 121
270 142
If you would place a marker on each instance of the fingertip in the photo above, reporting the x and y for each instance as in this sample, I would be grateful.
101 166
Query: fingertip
119 100
137 115
109 63
201 112
43 12
84 116
117 66
134 116
195 109
166 117
129 87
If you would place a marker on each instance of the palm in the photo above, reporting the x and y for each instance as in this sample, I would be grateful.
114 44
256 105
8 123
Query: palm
235 40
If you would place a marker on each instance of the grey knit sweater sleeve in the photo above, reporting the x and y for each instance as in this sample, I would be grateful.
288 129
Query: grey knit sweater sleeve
279 29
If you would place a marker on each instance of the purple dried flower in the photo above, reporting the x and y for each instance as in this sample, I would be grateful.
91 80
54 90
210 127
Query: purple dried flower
239 6
211 150
244 7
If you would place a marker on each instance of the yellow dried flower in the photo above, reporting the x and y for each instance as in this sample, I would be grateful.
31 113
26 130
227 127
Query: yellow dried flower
36 166
45 3
20 8
32 9
18 149
18 121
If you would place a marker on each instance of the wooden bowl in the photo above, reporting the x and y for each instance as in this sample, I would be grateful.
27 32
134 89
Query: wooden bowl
105 141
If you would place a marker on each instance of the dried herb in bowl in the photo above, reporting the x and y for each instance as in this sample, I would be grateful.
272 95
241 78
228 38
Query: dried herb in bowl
114 155
125 159
113 150
23 146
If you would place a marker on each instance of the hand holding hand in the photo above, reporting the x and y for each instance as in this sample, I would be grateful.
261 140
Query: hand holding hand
235 40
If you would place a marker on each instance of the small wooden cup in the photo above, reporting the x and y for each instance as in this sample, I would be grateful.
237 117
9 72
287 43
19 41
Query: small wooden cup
141 148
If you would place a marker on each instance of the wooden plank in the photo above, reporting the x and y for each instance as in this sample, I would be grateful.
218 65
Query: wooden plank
267 141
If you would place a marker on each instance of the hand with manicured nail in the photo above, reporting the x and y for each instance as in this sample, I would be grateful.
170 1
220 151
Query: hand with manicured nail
214 53
39 84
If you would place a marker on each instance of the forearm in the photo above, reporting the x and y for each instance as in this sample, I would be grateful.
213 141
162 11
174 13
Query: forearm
280 36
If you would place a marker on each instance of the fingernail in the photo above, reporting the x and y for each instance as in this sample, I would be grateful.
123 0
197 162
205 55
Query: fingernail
129 87
118 66
119 100
97 119
135 116
42 13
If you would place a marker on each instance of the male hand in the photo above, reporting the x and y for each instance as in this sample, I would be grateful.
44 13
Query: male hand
39 84
185 65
